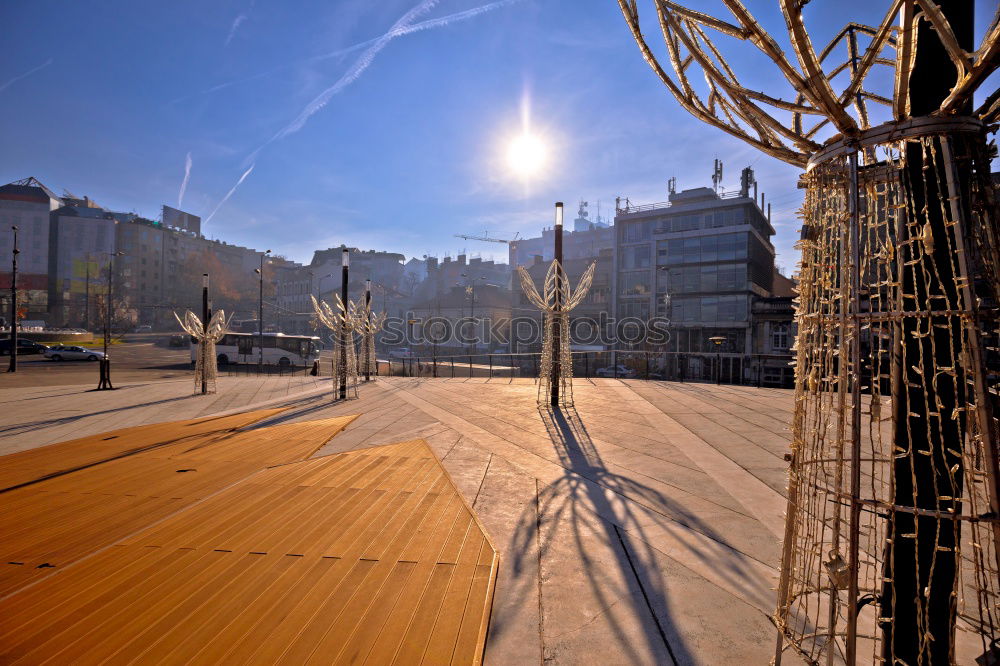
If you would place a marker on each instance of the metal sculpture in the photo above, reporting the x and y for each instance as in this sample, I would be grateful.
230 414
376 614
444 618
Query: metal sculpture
556 301
369 324
893 527
344 323
205 366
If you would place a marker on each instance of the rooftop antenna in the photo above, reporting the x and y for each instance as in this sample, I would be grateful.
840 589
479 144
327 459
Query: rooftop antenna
672 183
746 181
717 175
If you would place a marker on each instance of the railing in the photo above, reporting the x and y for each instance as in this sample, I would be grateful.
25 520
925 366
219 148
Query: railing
667 366
629 208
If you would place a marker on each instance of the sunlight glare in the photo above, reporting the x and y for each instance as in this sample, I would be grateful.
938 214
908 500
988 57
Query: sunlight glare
526 155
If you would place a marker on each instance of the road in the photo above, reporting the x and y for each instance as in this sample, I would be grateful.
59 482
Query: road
137 358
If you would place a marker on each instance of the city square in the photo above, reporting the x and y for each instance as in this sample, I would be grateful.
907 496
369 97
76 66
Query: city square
323 360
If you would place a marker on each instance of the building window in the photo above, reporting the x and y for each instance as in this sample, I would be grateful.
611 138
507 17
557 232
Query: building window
779 337
634 284
636 232
634 257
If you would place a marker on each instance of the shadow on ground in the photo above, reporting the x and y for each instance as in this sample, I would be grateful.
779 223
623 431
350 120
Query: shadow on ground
592 500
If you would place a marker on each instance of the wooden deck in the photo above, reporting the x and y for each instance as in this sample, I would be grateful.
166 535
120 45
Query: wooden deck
55 521
370 556
36 464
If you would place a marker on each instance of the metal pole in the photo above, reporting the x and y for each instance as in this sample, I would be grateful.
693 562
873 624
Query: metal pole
369 337
927 474
345 267
204 328
556 315
86 298
855 342
13 306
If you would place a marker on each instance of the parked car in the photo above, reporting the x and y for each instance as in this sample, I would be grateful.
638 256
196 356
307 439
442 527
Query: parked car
144 328
23 347
401 352
615 371
178 340
69 353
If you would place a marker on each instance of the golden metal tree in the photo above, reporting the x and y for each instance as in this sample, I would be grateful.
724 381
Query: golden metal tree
893 527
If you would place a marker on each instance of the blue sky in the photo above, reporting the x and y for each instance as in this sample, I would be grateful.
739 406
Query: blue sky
108 99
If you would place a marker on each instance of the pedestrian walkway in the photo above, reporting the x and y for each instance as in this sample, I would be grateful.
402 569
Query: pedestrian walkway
643 525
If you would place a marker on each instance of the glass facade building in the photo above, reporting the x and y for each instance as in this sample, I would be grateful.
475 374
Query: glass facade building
698 260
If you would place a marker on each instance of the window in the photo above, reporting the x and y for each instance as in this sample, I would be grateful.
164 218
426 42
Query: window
723 247
636 232
634 257
779 336
685 223
634 284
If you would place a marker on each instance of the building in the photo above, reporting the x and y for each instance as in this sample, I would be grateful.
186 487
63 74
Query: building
586 240
488 304
461 271
27 204
700 260
82 238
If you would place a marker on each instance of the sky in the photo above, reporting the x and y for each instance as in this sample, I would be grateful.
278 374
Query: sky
384 125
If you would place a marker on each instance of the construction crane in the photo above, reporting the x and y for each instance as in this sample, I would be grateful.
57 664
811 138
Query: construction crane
486 238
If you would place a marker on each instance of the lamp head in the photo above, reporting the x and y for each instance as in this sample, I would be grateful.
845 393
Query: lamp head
559 213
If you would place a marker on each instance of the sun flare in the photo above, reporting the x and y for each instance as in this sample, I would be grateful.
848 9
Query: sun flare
526 155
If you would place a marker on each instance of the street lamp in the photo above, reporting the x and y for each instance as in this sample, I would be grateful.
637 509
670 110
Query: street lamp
13 306
718 340
345 269
260 310
104 384
471 290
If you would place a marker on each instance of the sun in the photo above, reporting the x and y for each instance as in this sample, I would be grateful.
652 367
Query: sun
526 155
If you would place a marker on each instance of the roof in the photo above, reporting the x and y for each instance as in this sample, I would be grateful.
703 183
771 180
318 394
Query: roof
27 189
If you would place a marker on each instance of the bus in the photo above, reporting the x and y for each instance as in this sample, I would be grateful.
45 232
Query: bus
280 349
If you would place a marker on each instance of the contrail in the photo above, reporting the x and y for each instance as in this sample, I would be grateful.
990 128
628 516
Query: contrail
236 26
229 194
28 73
416 27
184 183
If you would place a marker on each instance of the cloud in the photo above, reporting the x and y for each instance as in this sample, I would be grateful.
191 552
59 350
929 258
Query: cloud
184 183
229 194
28 73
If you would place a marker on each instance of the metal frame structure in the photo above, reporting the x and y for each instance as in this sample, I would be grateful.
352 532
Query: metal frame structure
892 544
344 322
206 369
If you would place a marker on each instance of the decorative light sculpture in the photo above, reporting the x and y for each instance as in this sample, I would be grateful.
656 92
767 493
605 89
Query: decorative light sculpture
893 527
556 301
344 323
369 324
205 366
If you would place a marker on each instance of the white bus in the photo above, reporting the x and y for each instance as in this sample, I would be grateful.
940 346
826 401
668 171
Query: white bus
280 349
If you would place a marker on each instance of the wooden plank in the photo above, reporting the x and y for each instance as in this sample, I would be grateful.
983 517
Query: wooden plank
170 596
34 464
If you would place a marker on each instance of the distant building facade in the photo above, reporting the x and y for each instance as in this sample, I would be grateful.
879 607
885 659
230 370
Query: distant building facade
27 204
699 260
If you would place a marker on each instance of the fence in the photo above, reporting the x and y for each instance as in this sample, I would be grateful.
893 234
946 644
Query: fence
752 369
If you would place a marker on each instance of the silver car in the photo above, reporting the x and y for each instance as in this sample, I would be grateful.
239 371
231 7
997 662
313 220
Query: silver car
67 353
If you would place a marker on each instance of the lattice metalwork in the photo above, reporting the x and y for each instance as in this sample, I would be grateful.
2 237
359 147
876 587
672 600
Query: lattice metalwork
344 323
787 129
369 324
893 528
556 301
206 365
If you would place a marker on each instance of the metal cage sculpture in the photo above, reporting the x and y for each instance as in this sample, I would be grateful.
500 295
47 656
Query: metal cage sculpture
369 324
344 323
893 527
206 365
556 301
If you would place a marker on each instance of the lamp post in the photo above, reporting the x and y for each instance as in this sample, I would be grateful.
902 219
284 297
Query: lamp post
260 311
104 384
556 319
368 323
204 323
717 340
13 306
470 286
345 264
